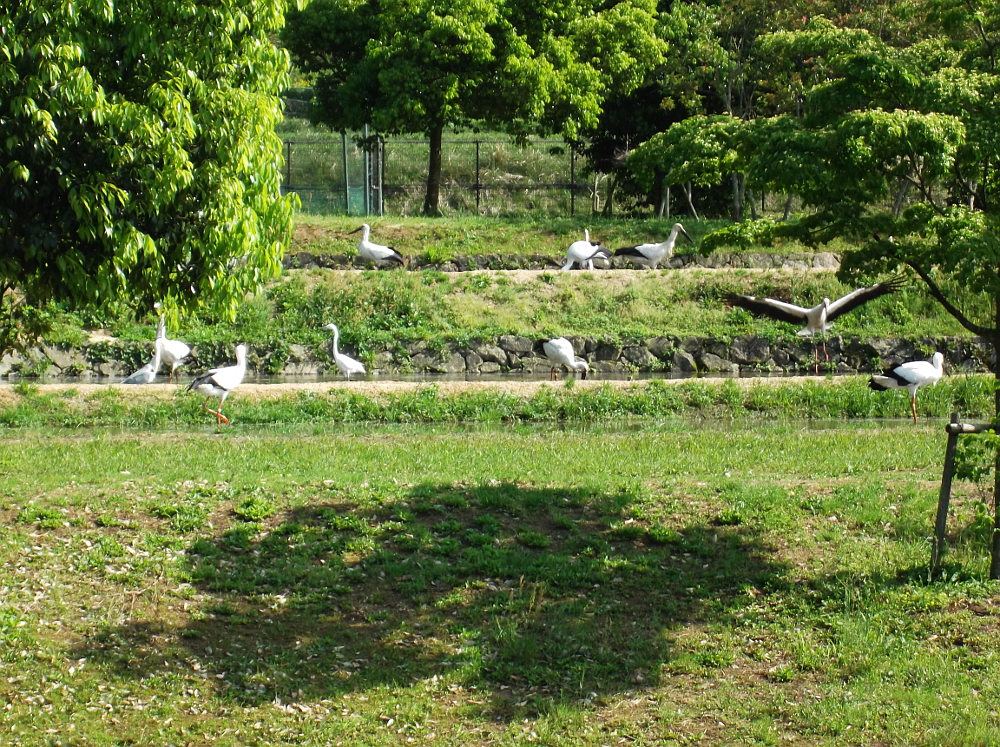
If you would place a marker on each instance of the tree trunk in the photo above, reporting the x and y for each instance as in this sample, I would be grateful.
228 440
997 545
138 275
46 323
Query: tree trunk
751 200
788 208
737 198
688 191
904 187
995 539
609 205
433 197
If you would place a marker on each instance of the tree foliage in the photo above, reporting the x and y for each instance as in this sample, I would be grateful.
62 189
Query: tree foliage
138 161
424 66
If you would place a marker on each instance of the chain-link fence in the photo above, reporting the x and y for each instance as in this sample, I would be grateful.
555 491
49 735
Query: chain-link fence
484 177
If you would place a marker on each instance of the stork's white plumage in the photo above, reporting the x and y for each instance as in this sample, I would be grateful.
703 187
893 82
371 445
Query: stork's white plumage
173 351
147 374
345 363
650 255
910 376
560 351
219 382
584 252
818 318
376 252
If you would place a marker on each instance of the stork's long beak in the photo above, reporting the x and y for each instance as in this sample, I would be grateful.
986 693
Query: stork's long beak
355 230
686 235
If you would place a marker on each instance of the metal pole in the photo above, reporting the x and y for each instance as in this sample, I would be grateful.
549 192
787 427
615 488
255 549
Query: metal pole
347 191
368 173
381 175
572 180
477 177
944 498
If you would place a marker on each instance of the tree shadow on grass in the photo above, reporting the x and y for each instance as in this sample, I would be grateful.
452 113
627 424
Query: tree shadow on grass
560 593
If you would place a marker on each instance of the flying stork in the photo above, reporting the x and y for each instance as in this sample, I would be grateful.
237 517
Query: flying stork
817 319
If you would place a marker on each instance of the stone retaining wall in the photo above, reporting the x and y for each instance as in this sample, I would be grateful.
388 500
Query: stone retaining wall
718 260
511 353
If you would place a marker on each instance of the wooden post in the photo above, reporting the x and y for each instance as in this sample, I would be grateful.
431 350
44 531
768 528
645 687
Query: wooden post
944 498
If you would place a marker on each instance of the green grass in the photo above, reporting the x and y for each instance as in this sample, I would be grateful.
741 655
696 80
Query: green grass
520 236
748 399
378 310
661 584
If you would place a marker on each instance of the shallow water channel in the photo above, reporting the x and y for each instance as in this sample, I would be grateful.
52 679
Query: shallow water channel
429 378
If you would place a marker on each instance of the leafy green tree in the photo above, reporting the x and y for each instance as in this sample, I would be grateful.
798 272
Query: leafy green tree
700 150
429 65
138 161
884 120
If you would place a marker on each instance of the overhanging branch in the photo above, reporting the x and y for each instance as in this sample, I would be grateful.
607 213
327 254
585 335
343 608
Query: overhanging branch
949 306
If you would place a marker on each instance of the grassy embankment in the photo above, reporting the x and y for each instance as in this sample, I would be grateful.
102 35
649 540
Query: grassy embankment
376 310
662 585
439 240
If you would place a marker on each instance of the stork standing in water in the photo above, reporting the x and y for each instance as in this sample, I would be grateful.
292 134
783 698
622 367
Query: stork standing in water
584 252
147 374
345 363
650 255
560 352
219 382
376 252
173 351
818 318
910 376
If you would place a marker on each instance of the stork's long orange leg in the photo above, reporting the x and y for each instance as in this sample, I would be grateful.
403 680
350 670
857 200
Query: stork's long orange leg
218 413
913 404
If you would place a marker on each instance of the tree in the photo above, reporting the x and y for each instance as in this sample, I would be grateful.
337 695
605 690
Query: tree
699 150
922 117
138 161
429 65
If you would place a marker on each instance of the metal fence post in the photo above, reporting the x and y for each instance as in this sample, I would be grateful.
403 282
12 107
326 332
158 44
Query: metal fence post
572 180
381 175
288 164
347 190
477 177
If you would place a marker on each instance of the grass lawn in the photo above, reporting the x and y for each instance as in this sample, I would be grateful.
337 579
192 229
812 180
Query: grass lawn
664 583
439 240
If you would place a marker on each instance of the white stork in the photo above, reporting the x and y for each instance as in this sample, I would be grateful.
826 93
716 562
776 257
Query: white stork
585 252
910 376
147 374
650 255
173 351
818 318
560 352
345 363
376 252
219 382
